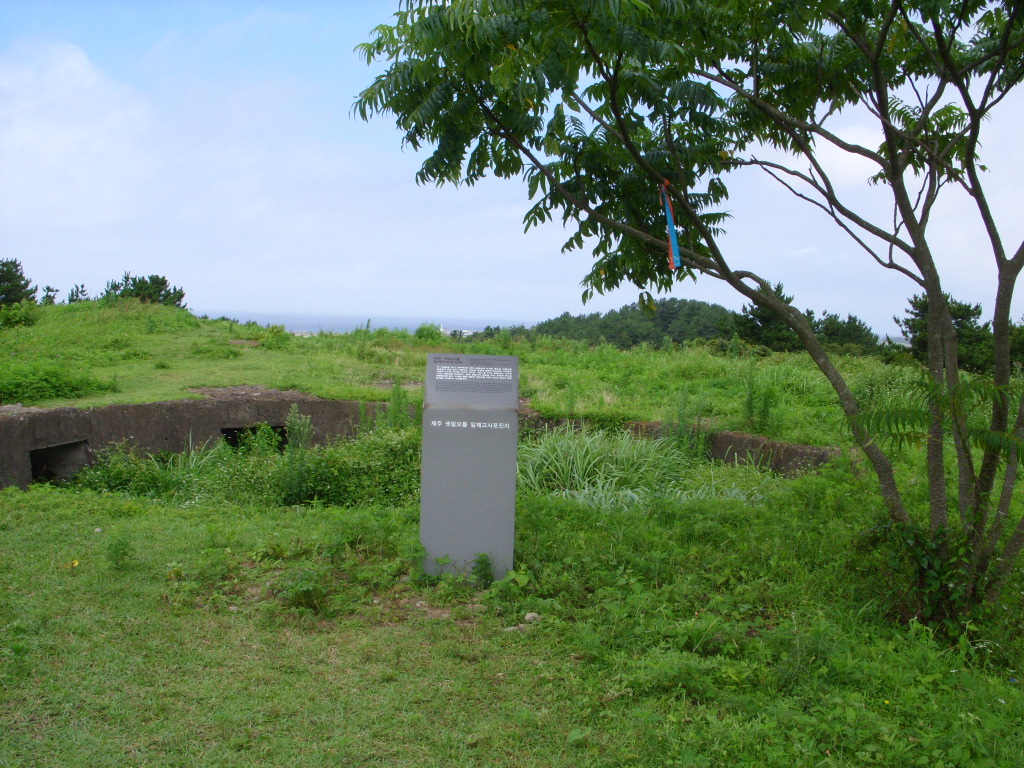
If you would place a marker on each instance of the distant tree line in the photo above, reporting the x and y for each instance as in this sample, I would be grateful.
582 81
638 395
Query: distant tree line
756 325
975 340
673 320
678 321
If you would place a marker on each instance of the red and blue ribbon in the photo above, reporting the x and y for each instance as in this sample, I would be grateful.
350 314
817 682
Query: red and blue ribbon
673 244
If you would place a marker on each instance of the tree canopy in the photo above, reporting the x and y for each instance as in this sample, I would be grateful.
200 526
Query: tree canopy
599 105
974 338
14 286
678 320
155 289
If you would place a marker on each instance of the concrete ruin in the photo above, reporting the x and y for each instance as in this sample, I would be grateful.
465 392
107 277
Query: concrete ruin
41 444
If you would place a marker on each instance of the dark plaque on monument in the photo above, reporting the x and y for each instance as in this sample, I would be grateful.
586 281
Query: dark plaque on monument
470 433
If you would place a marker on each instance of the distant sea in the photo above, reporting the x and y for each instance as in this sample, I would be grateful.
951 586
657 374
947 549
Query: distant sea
300 323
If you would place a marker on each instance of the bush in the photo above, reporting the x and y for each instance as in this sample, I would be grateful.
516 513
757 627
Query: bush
380 468
31 383
430 333
292 475
21 313
121 469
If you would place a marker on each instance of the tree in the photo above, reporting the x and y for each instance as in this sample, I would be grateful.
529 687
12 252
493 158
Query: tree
758 324
154 289
678 319
602 104
973 339
851 333
14 286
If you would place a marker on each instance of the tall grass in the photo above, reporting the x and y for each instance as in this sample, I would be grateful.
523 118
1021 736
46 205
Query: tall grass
380 467
569 459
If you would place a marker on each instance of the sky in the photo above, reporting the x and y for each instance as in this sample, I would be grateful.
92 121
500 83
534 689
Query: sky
214 143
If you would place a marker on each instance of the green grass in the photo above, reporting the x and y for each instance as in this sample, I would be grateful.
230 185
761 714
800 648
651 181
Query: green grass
132 352
730 626
251 607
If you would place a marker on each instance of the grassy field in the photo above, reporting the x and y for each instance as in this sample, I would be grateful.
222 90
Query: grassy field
247 607
85 354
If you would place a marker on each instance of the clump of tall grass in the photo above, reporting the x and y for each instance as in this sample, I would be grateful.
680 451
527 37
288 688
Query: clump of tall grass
569 460
292 472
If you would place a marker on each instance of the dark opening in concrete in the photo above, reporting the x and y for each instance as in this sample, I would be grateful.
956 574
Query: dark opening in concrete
58 462
235 436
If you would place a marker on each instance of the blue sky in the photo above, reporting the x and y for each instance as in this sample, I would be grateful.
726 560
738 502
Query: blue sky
213 142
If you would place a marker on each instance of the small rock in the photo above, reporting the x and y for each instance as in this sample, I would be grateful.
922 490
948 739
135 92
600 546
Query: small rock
99 530
531 617
516 628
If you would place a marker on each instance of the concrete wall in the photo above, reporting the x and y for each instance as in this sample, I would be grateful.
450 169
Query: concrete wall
58 439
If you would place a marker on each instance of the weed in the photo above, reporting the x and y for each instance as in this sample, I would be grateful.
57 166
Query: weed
482 570
120 553
215 349
571 461
304 588
759 403
292 476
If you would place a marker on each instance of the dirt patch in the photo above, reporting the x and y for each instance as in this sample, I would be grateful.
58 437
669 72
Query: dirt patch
251 391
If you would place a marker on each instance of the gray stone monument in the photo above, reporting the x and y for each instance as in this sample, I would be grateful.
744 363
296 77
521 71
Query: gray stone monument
470 433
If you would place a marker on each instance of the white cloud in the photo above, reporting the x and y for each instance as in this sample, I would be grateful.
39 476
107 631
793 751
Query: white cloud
228 189
72 142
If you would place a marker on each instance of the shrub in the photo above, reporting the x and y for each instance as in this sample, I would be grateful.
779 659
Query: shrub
275 337
31 383
21 313
430 333
121 468
292 474
377 468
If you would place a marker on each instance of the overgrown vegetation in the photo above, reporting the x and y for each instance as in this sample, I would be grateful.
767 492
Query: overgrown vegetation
683 613
32 383
689 613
